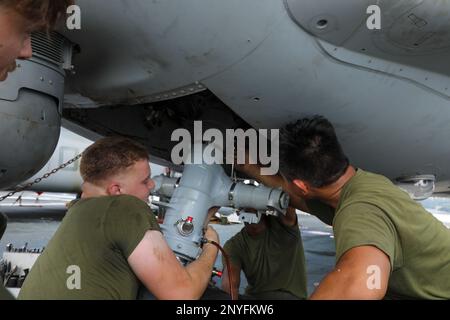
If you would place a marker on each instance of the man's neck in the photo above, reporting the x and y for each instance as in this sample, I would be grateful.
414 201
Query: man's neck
90 190
331 194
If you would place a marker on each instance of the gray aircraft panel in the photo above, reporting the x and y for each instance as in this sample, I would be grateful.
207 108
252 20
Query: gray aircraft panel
132 49
387 124
388 103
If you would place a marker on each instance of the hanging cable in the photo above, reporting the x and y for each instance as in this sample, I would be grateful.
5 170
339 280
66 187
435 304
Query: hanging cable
227 262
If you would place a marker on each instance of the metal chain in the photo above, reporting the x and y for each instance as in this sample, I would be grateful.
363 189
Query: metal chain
45 176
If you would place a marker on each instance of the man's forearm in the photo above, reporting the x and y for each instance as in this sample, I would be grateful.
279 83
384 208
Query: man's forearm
326 290
201 267
337 286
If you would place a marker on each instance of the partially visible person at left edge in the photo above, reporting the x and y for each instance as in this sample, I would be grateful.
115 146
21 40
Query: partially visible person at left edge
110 243
18 18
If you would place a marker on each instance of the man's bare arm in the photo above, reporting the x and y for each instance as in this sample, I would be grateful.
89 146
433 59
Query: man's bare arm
290 219
155 264
356 276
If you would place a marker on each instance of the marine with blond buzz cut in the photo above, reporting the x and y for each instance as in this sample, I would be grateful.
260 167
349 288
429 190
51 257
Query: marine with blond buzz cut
111 238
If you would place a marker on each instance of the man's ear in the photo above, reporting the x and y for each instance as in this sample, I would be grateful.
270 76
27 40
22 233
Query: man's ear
301 185
113 189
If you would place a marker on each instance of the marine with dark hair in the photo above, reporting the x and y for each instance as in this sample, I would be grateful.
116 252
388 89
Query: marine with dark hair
110 240
18 19
387 245
313 143
270 253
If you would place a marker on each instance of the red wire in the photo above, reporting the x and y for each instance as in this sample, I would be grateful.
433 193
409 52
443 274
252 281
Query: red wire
227 262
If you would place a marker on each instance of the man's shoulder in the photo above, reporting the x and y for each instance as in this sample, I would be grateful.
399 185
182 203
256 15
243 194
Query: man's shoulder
364 175
370 188
374 183
127 199
132 206
236 240
109 207
118 200
361 208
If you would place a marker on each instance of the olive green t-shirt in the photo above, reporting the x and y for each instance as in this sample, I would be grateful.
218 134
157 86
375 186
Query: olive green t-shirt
4 294
273 261
373 211
94 240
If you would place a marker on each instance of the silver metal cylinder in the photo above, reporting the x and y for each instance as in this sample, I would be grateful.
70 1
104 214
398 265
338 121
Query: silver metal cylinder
30 109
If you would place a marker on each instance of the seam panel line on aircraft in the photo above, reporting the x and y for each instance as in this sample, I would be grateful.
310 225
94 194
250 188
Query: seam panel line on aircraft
364 68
